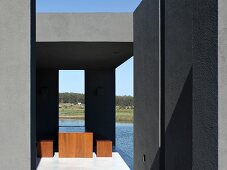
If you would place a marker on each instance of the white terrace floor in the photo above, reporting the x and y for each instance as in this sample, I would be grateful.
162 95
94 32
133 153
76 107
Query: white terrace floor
95 163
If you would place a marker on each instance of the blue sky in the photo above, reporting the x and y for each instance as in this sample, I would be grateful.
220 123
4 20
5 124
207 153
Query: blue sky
86 5
73 81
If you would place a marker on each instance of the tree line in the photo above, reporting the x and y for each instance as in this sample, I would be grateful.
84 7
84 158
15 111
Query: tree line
76 98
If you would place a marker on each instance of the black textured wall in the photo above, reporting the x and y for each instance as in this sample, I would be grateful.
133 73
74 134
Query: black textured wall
178 84
205 85
189 84
47 105
146 86
100 103
191 87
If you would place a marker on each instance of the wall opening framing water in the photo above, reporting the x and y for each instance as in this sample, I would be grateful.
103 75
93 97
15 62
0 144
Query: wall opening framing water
71 100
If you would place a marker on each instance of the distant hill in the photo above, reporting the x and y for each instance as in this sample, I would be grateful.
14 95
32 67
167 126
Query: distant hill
79 98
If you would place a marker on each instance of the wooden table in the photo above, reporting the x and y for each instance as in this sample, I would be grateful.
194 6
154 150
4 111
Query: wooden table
76 145
45 148
104 148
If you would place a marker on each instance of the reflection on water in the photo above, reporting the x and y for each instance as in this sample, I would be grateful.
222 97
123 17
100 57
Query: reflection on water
71 125
124 142
124 136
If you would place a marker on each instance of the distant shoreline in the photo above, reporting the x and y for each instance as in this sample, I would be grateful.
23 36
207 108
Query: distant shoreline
119 119
77 111
71 117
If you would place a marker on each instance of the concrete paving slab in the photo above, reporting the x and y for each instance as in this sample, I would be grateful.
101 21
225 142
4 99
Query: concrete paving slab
95 163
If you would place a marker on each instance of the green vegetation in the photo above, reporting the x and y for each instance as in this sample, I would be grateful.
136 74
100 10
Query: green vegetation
72 111
72 107
68 110
71 98
75 98
124 115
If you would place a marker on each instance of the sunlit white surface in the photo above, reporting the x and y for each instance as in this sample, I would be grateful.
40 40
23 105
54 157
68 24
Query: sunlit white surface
95 163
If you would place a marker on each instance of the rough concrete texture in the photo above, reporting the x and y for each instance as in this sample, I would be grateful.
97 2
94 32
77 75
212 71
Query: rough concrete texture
178 85
190 66
15 85
205 85
96 27
47 105
191 85
146 86
100 103
222 84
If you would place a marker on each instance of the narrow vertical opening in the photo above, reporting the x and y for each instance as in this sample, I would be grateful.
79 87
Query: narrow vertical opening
71 101
124 111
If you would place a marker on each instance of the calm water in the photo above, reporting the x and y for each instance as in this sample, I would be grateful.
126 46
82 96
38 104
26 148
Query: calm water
124 137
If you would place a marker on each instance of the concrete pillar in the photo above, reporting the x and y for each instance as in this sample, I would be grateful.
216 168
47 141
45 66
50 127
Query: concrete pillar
191 86
100 103
205 85
189 72
177 79
222 84
146 86
47 105
17 88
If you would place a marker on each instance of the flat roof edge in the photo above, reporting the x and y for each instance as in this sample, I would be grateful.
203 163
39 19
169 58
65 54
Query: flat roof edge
87 27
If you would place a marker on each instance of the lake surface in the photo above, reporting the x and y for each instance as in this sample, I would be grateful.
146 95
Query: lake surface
124 136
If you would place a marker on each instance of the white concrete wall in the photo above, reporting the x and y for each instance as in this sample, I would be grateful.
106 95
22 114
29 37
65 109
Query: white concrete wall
15 85
222 85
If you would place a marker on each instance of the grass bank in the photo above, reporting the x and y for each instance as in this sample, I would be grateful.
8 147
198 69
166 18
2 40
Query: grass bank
71 111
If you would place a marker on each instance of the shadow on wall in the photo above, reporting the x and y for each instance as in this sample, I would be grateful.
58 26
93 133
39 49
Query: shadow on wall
156 162
178 135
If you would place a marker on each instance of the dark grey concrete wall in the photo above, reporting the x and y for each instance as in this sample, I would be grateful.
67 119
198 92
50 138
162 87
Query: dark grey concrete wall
205 85
191 85
47 105
100 103
16 85
146 86
189 78
75 55
178 84
222 84
85 27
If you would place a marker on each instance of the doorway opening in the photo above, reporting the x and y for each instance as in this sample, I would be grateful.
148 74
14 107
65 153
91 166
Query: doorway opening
99 58
124 111
71 101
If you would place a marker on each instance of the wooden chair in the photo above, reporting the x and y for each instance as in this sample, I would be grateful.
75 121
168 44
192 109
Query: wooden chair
45 148
104 148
